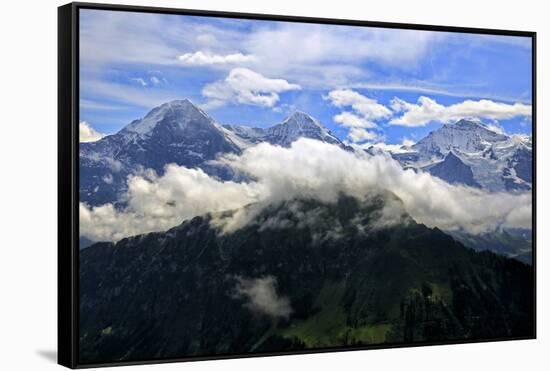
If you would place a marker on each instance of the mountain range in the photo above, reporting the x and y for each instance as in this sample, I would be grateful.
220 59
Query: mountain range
470 153
465 153
302 274
178 132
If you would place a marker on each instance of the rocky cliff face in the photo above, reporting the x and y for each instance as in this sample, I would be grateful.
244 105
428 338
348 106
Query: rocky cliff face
453 171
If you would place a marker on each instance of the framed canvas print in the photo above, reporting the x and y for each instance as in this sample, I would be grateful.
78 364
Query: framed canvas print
235 185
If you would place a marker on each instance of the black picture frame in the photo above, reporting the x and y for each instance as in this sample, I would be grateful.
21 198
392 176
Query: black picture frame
68 171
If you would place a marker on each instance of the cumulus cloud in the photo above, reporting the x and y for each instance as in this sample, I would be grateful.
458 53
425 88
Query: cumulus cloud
261 296
427 110
319 170
368 108
88 133
245 86
200 58
159 203
365 112
351 120
360 135
308 169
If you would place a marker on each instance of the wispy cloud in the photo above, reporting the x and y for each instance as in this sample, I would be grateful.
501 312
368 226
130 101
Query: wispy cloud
200 58
140 81
131 95
424 88
427 110
155 80
262 297
310 54
91 104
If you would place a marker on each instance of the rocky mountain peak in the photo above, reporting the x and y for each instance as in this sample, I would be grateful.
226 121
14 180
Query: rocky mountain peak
176 113
298 125
302 119
464 135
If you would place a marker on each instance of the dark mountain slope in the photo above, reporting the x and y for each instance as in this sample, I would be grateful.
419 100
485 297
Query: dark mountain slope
453 171
314 275
514 243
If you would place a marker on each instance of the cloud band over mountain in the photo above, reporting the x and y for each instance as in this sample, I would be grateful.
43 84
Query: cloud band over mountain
308 169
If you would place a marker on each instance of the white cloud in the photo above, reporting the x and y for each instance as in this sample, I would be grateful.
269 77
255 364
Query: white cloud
314 169
245 86
159 203
308 169
424 87
91 104
155 80
128 94
358 135
108 178
308 54
200 58
139 80
427 110
88 133
368 108
351 120
496 128
311 55
365 112
262 297
387 147
147 39
115 37
320 48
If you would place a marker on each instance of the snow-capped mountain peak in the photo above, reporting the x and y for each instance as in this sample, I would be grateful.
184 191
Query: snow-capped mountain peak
298 125
465 135
176 113
498 162
301 119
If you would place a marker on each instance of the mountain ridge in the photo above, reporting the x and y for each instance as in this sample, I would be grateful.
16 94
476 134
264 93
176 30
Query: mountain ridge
182 133
498 162
365 283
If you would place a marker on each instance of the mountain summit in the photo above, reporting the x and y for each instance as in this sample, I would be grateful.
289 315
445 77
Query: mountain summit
299 125
177 115
480 157
465 135
175 132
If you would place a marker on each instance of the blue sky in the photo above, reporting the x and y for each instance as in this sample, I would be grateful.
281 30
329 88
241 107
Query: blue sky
367 85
